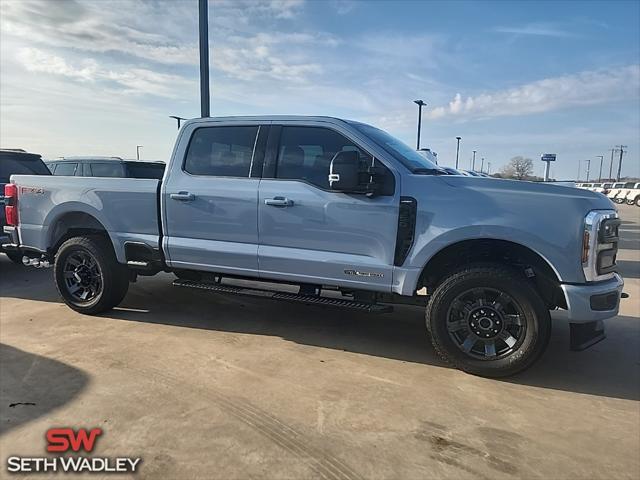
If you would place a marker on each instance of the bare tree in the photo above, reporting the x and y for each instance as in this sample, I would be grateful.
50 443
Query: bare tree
519 168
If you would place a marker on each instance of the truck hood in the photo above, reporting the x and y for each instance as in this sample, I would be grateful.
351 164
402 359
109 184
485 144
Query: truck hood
538 190
546 218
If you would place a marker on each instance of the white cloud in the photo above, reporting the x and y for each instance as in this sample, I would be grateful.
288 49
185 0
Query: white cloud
581 89
537 29
35 60
131 81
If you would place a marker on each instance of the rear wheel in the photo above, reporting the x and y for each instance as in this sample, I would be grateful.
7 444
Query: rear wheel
637 201
630 201
88 276
488 321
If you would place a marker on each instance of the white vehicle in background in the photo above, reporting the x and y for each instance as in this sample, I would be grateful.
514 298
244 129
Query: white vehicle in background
633 196
615 190
622 192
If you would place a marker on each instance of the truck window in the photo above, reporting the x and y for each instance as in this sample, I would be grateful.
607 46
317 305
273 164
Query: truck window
21 164
110 169
306 152
221 151
145 170
65 169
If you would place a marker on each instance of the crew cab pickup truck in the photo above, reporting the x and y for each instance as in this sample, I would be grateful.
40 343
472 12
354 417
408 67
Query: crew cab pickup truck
352 218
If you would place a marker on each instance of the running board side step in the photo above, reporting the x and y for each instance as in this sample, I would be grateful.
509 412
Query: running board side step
289 297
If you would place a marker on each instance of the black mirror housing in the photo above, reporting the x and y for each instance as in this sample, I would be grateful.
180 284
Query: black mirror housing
344 172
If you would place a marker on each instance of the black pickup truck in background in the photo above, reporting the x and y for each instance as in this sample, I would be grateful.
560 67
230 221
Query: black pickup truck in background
16 162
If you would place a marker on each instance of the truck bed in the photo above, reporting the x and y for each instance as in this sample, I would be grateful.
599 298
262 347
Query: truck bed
127 208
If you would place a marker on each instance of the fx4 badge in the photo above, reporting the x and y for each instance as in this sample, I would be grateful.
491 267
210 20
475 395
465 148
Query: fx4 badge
358 273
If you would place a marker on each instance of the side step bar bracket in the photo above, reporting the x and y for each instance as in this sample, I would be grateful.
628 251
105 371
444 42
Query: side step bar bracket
289 297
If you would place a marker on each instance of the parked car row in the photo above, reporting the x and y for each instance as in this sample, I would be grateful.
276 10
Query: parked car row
105 167
618 192
20 162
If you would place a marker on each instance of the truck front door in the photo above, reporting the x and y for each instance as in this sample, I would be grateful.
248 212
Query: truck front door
311 234
209 199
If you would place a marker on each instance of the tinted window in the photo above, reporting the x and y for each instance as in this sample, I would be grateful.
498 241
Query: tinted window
306 152
21 165
65 169
111 169
221 151
145 170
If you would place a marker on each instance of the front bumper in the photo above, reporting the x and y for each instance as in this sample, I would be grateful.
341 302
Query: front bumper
590 302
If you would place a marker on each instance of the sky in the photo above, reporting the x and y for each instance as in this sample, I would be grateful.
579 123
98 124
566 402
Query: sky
98 77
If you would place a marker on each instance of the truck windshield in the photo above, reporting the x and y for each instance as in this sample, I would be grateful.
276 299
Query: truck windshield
402 152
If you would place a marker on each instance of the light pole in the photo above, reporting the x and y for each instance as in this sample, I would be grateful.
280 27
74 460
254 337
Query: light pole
203 22
488 168
473 162
138 147
420 104
601 157
457 150
588 168
613 151
579 165
179 119
621 148
482 165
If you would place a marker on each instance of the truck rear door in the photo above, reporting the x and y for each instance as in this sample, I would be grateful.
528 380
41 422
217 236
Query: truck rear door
210 198
311 234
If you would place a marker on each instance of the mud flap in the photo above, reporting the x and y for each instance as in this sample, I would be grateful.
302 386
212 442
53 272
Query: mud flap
584 335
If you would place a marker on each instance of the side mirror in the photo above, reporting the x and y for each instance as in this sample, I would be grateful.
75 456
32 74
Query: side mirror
344 172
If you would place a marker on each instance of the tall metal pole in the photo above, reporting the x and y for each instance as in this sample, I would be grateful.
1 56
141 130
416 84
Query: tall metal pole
600 173
457 150
138 147
621 147
420 104
611 164
588 168
488 168
203 20
473 163
579 165
482 165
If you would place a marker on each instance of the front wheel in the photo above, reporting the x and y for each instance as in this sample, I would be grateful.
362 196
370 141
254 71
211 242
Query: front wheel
631 201
88 276
638 202
488 321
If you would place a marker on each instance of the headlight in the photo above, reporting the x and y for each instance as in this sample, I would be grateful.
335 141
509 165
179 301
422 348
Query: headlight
600 244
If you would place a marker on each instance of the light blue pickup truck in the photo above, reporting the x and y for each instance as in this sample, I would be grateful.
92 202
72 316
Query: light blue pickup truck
347 214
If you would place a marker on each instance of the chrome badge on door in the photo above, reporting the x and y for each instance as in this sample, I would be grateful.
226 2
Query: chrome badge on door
358 273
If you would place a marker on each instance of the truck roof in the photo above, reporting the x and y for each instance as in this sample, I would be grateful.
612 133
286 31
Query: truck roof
268 118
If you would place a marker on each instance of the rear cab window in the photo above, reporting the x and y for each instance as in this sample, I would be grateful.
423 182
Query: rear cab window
145 170
224 151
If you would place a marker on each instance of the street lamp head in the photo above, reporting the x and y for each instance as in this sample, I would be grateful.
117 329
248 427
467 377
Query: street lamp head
419 102
458 138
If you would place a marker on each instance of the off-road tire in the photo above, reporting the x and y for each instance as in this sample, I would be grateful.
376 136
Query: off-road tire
499 278
114 280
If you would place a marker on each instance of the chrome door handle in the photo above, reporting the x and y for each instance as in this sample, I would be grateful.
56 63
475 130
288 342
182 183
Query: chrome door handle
183 196
278 202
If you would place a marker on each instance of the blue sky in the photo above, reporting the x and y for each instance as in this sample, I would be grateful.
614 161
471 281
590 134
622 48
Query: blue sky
511 78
